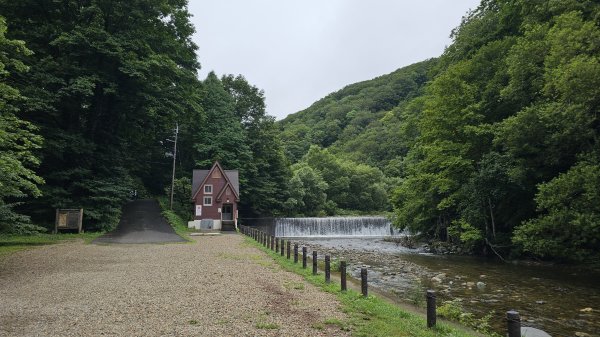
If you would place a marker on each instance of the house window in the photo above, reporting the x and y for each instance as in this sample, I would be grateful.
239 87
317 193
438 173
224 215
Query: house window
207 201
207 189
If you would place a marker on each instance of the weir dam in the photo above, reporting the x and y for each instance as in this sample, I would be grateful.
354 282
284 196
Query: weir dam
359 226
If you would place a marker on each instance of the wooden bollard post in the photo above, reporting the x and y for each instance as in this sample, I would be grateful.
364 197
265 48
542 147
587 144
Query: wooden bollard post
314 261
364 286
276 245
289 248
295 253
272 242
327 268
304 257
513 323
431 314
282 247
343 275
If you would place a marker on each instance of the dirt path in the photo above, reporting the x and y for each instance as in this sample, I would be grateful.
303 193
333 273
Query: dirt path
141 222
215 286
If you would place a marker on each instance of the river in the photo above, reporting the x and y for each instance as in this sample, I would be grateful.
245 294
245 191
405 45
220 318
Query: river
561 300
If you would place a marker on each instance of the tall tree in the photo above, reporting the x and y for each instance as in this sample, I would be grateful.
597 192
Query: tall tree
18 139
107 82
222 138
267 174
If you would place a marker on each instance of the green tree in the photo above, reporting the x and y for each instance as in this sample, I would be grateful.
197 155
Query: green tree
569 224
307 195
267 175
107 82
18 140
222 137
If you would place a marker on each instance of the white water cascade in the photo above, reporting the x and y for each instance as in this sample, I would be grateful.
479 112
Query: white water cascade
334 227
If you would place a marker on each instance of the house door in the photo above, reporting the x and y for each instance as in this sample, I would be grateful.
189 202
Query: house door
227 212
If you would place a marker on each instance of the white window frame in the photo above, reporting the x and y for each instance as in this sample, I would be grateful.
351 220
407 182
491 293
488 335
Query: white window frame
211 189
204 203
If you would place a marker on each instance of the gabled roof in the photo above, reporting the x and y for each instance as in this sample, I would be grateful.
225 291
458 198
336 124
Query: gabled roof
234 179
199 177
237 196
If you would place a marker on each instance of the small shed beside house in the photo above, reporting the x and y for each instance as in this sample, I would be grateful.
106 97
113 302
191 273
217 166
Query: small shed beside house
215 194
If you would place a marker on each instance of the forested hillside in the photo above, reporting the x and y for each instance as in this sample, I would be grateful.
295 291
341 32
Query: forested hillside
90 96
494 145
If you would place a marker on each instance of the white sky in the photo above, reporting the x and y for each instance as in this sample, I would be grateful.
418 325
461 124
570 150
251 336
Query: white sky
300 51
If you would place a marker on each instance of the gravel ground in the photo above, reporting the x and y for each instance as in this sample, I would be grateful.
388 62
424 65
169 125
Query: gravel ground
216 286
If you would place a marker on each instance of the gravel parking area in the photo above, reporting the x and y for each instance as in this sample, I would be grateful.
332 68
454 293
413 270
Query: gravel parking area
215 286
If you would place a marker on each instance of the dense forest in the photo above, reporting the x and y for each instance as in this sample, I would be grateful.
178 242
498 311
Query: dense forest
90 96
494 145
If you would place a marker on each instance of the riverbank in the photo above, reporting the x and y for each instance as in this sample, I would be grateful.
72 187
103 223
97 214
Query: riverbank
371 316
482 287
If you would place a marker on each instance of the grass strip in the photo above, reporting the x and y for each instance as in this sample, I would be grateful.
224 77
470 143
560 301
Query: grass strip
178 224
367 316
10 243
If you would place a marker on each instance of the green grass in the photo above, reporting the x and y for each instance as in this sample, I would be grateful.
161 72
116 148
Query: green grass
370 316
11 243
267 326
178 224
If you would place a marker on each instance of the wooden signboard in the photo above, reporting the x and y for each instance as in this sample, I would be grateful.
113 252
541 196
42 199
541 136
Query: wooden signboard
68 219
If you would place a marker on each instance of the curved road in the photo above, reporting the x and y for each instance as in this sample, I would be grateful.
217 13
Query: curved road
141 222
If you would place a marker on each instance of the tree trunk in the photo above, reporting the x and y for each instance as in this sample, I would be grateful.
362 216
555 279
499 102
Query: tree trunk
492 218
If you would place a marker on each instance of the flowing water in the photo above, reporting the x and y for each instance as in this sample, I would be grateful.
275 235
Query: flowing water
334 227
561 300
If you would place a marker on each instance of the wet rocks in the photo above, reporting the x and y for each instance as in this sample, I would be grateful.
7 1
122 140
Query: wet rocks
439 278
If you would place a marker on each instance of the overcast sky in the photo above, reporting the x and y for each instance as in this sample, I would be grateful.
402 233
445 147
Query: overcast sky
300 51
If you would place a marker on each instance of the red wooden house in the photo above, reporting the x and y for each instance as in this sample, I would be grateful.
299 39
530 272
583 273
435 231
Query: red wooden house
215 193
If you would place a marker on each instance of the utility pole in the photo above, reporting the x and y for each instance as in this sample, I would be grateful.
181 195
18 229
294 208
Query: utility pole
174 156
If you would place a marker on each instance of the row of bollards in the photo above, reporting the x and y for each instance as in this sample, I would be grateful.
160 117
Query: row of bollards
277 245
